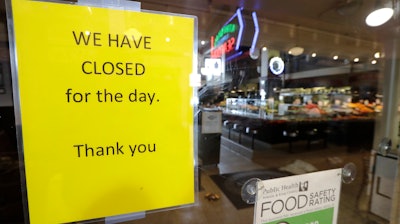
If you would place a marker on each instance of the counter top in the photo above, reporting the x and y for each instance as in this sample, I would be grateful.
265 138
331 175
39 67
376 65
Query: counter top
303 117
354 131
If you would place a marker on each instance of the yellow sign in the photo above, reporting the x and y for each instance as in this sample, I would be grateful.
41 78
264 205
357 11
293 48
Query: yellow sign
107 124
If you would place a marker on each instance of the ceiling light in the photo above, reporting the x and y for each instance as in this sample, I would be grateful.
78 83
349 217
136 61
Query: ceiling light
335 57
377 55
314 55
296 51
373 62
356 60
380 15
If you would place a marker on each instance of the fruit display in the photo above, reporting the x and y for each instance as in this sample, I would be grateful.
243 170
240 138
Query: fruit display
309 102
360 108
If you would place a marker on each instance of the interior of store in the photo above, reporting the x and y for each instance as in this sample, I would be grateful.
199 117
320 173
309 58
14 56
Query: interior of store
313 110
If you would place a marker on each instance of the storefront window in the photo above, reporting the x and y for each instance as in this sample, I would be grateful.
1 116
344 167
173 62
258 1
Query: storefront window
298 87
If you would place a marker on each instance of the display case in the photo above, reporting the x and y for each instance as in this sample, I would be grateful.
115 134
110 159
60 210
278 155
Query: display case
316 101
246 106
295 103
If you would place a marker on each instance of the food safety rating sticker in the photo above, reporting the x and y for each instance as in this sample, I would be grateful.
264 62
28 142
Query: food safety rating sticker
311 198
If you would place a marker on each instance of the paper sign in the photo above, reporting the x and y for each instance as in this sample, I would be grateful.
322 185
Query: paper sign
107 124
211 122
302 199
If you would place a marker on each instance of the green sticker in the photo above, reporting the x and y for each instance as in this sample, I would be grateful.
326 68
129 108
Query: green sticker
317 217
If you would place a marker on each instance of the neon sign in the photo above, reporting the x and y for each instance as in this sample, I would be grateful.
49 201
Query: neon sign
256 31
227 29
226 47
229 38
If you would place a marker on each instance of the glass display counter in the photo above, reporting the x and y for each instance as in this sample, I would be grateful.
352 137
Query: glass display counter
246 106
305 103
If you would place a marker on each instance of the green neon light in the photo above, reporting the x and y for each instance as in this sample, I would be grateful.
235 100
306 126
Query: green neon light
229 28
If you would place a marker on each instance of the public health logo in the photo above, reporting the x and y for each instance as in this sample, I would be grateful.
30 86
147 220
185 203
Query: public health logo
303 186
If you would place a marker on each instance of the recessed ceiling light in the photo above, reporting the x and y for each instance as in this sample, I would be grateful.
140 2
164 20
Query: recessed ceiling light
335 57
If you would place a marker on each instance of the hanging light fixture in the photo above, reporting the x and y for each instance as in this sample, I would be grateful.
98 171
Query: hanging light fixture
296 50
381 14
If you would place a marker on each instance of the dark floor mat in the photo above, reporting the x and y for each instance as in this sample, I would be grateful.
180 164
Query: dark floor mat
231 184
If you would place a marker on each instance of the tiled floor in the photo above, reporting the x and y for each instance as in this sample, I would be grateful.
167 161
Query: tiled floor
353 203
